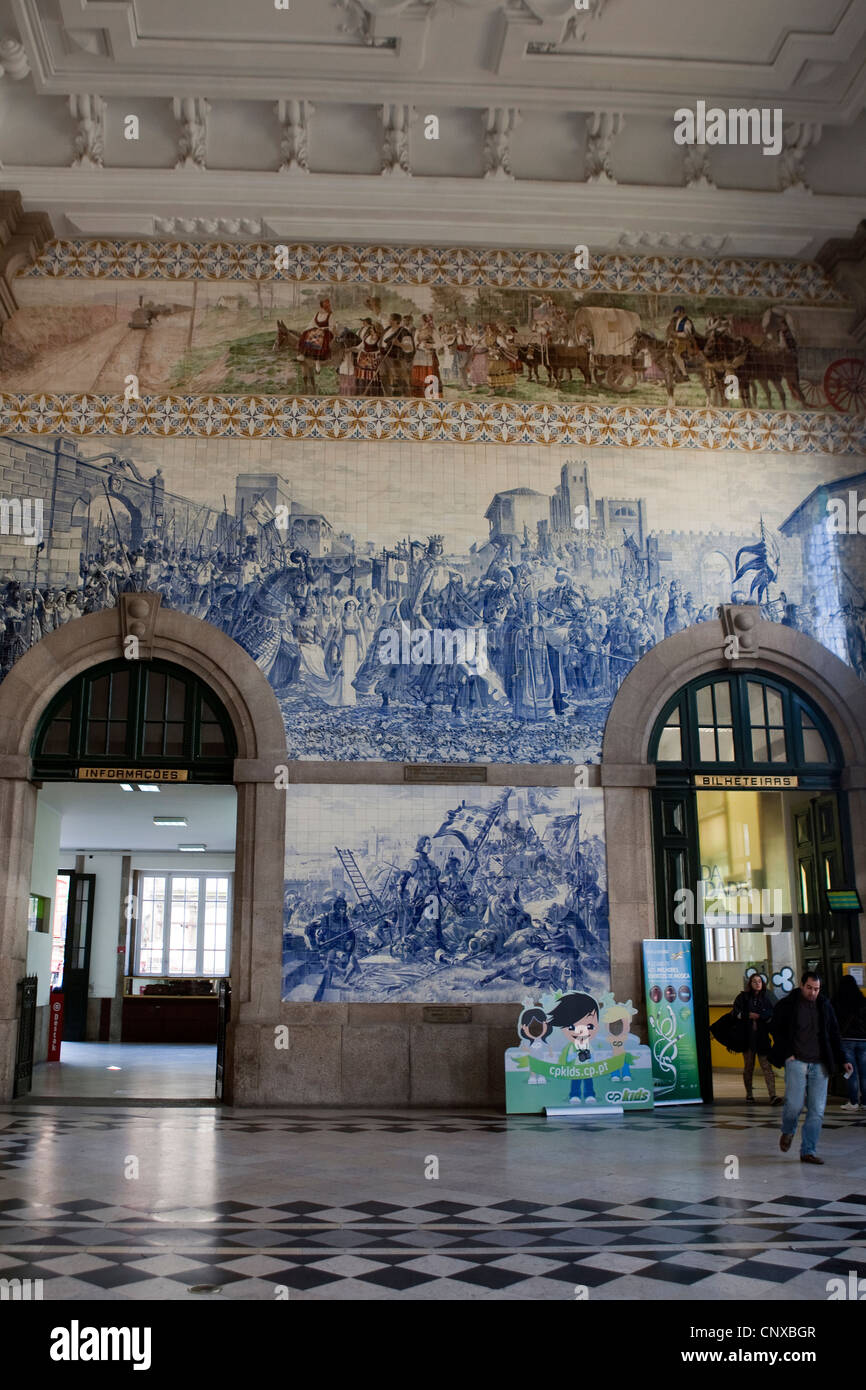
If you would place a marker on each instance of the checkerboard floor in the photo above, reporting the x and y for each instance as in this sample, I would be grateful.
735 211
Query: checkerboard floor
183 1205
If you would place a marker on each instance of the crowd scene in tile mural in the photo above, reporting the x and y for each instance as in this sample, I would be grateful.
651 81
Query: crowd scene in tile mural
553 610
501 890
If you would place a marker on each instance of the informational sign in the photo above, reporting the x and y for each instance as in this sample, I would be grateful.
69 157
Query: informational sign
844 900
133 774
743 782
670 1004
55 1025
857 969
577 1054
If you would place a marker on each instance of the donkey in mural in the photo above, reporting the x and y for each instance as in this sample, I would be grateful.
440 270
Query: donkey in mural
660 355
287 340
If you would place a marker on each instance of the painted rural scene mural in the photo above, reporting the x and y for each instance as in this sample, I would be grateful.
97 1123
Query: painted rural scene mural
451 342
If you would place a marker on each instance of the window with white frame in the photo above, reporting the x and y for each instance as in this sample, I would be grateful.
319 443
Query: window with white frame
183 924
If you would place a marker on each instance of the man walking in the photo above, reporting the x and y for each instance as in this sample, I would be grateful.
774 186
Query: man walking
808 1045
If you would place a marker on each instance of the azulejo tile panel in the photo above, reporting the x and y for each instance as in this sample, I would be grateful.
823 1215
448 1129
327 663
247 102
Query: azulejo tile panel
793 281
459 422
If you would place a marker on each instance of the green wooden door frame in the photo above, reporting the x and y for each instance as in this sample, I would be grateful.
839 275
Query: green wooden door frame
68 718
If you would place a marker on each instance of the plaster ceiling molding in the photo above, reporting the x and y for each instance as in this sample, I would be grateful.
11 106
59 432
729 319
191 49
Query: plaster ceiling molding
360 17
295 118
191 114
14 62
696 167
577 22
91 41
796 140
396 120
602 128
498 124
671 241
89 143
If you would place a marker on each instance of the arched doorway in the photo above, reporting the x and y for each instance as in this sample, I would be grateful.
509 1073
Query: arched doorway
665 684
750 838
250 726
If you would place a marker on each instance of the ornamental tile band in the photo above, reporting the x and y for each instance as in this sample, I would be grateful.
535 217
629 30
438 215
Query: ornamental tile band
500 422
793 281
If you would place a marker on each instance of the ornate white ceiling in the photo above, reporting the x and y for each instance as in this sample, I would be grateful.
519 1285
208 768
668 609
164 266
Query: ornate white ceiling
555 123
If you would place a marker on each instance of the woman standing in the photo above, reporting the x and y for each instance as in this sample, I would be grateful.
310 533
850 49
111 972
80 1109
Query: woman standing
754 1012
850 1006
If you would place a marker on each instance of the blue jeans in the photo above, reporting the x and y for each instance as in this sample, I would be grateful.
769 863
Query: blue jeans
805 1083
855 1053
582 1087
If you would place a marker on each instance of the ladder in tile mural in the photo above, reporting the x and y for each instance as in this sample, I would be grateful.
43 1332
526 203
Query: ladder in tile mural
372 907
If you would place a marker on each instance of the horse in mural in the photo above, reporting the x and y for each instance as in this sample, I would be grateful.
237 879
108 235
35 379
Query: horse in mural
660 355
770 365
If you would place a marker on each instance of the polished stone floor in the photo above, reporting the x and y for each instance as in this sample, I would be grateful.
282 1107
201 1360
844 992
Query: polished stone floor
138 1071
184 1204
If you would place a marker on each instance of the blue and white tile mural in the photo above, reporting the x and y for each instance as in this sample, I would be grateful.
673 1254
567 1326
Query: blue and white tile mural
435 603
446 894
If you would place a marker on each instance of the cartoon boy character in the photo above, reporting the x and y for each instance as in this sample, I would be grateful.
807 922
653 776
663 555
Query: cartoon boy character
534 1027
616 1020
577 1016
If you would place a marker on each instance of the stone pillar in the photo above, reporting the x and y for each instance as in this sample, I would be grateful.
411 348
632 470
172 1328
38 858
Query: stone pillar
628 821
22 237
18 812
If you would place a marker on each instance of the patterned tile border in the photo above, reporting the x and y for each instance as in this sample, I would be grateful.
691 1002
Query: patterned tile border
456 422
795 282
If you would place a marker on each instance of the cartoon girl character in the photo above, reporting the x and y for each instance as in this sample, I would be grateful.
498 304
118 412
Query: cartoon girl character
534 1028
577 1016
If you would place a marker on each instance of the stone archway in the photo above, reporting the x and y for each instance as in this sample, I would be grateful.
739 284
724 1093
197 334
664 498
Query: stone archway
627 775
261 814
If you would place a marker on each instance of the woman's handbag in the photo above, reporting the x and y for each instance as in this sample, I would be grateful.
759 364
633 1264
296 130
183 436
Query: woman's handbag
729 1030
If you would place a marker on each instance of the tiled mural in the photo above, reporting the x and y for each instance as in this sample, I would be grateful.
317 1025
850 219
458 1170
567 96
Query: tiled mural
445 499
444 894
418 343
450 605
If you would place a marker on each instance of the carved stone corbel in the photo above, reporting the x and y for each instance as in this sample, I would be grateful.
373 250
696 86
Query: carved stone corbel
138 614
741 626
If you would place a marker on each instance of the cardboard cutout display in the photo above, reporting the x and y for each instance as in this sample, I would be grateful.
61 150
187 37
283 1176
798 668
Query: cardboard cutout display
577 1053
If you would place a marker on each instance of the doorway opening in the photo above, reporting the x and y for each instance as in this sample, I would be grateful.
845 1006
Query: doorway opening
750 839
133 869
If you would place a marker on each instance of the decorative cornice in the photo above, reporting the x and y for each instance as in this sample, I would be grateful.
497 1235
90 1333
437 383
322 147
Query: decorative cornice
22 237
796 282
429 421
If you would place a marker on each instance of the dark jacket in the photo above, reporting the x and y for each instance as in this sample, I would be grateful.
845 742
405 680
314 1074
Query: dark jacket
748 1002
852 1024
784 1025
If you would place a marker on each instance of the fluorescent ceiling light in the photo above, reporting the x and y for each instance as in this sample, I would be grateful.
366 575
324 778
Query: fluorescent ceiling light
147 787
127 787
169 820
192 849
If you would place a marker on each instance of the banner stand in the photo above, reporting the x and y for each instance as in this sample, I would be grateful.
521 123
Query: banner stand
579 1112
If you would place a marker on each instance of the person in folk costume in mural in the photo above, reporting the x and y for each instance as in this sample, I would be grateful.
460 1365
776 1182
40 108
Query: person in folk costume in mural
346 379
679 335
448 363
315 341
398 350
462 349
484 342
425 363
778 327
369 359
